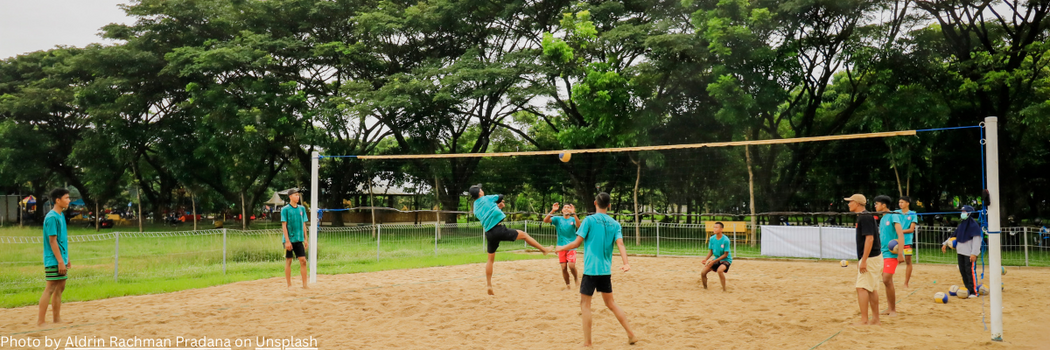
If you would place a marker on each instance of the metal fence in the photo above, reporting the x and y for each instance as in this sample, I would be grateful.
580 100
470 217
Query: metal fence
185 254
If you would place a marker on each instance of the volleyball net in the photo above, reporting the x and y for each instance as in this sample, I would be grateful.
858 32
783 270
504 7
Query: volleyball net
682 188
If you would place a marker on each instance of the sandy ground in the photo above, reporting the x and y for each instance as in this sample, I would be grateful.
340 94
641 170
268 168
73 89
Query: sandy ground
770 304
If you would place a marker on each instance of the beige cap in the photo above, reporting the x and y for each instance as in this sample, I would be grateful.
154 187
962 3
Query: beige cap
859 198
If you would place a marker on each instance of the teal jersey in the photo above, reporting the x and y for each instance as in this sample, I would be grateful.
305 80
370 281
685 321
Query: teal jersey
566 228
719 247
599 232
906 221
55 225
486 210
295 217
888 232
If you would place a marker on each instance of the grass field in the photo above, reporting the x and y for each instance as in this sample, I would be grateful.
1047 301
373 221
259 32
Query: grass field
161 260
158 262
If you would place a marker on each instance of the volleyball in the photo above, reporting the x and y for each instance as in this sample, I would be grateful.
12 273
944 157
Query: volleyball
940 298
893 246
952 242
564 157
982 289
954 290
844 263
962 293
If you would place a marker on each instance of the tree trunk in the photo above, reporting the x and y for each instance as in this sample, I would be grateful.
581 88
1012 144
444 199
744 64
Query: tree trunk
372 207
244 214
584 181
751 190
194 204
449 203
38 214
138 197
893 164
97 215
637 179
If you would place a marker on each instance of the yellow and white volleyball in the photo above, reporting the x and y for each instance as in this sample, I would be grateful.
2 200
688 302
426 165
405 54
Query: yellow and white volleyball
844 263
962 293
564 157
1004 270
954 290
982 289
940 297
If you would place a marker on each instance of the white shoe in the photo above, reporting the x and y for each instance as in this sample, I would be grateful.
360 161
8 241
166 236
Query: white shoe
972 296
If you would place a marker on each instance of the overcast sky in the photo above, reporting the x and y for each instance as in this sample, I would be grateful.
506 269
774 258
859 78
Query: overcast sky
34 25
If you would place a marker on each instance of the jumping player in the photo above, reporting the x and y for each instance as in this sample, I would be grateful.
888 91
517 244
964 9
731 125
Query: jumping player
599 233
719 246
566 226
488 210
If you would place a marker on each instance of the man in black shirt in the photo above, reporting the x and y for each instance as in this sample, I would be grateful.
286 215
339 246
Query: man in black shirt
869 254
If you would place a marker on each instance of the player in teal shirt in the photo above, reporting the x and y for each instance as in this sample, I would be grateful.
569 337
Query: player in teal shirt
909 221
889 229
293 224
599 233
720 246
489 211
566 226
56 256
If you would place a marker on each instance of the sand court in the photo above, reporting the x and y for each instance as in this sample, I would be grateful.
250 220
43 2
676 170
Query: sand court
783 304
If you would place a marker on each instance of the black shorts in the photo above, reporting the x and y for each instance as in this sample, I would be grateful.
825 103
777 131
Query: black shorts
714 267
298 249
497 234
602 284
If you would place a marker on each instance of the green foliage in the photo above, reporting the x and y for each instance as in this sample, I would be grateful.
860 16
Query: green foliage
222 99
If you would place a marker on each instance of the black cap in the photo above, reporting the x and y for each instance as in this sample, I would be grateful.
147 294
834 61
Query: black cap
474 191
293 191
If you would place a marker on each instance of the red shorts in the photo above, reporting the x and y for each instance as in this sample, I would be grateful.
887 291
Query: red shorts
567 256
889 265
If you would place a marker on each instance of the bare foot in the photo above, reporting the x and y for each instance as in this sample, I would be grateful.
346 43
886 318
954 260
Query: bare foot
875 322
40 324
704 282
305 287
490 291
888 312
860 323
567 287
632 340
906 286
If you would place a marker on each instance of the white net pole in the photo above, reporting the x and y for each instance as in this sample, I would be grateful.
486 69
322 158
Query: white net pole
314 194
994 253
